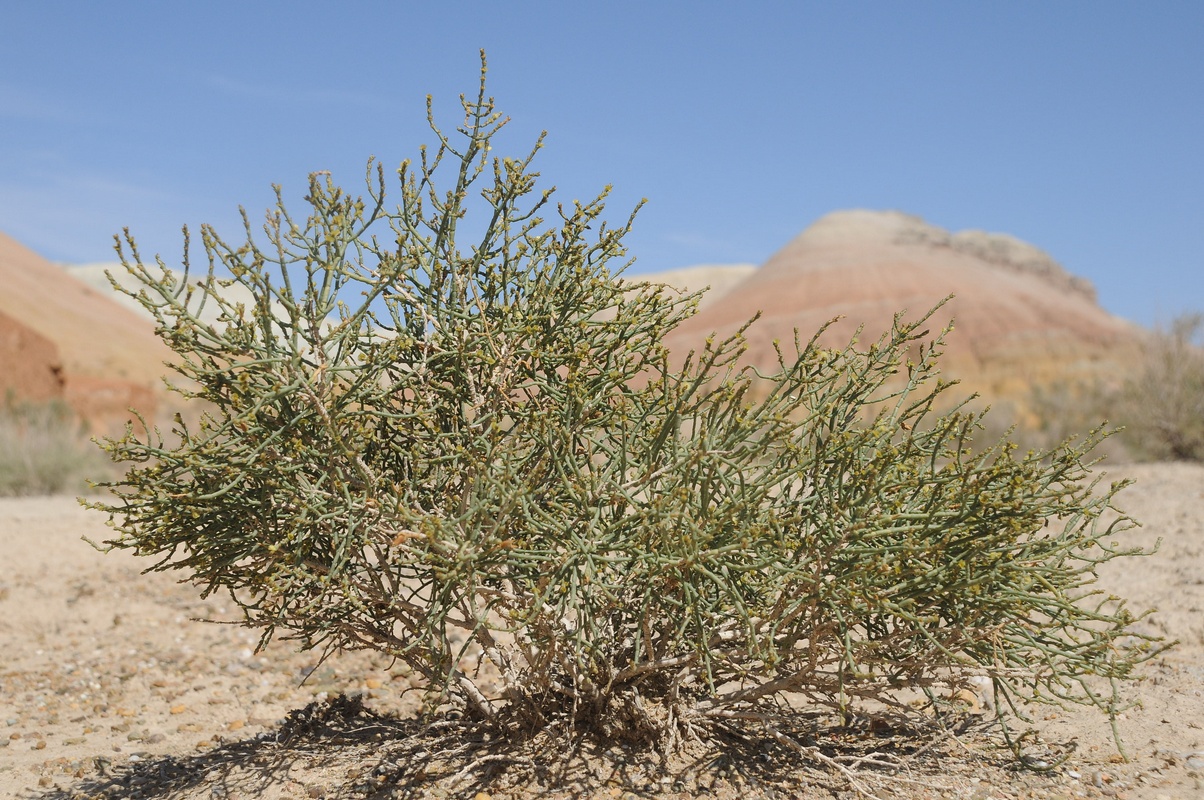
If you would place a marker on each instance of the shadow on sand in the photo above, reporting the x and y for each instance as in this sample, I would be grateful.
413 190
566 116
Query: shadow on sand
338 749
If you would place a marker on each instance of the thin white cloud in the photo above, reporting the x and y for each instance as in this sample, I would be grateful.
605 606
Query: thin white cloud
17 103
714 247
68 214
277 93
54 185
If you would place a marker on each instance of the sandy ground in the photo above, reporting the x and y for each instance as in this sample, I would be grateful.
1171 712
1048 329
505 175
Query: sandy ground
109 688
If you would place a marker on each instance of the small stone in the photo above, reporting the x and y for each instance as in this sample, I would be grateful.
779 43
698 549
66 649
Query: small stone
235 725
372 683
969 700
126 712
481 796
180 709
39 745
45 780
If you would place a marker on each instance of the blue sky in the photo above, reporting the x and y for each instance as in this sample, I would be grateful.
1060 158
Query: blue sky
1077 126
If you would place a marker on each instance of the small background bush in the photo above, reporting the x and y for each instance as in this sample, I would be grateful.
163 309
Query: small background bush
1162 405
1158 406
44 449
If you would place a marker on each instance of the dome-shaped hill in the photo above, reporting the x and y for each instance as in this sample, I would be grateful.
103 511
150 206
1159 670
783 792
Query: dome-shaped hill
716 279
109 357
1020 318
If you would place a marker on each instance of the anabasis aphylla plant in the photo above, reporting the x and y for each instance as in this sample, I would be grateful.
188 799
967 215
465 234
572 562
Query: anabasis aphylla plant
433 447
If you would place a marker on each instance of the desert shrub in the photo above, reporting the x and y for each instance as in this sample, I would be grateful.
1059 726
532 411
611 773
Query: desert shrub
1054 411
469 446
44 449
1158 405
1162 405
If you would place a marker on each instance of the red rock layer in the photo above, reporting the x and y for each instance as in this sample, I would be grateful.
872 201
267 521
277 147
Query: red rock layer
109 355
30 368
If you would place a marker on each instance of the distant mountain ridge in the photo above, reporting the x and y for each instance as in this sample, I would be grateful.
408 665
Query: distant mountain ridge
1000 249
1021 319
716 279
